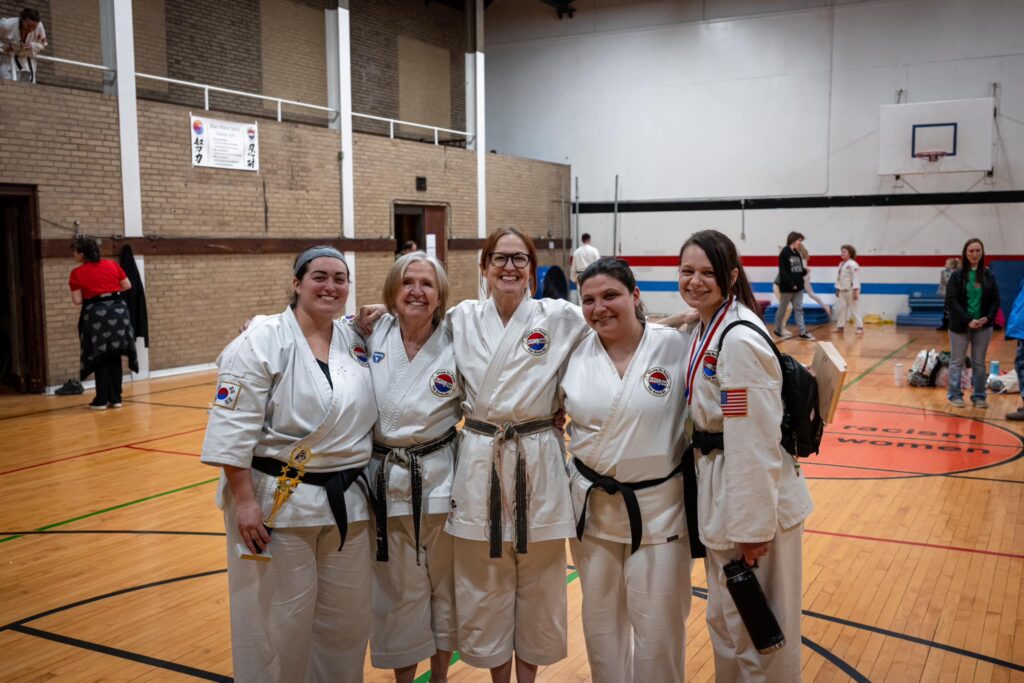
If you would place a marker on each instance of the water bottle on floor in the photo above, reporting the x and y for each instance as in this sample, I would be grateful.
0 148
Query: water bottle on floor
897 374
993 368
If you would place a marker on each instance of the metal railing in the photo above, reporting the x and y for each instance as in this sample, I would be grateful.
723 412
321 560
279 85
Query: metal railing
279 101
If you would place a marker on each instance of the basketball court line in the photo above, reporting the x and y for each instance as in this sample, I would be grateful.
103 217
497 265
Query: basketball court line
162 450
875 366
910 474
101 450
119 506
919 544
165 405
138 532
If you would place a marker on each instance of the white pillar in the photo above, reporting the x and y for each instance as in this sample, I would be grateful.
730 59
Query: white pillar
339 98
118 49
475 104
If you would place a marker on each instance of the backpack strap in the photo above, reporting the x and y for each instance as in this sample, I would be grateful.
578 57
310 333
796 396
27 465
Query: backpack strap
755 328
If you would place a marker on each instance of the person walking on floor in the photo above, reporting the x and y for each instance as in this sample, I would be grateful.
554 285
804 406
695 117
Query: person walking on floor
791 287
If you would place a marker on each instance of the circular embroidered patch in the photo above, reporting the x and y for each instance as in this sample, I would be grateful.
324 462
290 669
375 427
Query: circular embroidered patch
442 383
536 342
358 351
657 381
709 366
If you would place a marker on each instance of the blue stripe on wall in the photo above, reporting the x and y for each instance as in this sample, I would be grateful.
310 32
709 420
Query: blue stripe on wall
891 288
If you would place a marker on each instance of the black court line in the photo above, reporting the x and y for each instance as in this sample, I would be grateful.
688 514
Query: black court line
113 594
123 654
702 592
909 474
140 532
829 656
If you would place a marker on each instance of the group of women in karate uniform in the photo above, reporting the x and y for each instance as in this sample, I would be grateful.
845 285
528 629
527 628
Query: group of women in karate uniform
467 539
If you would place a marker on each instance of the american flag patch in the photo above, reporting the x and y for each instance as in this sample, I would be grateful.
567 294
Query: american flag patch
734 403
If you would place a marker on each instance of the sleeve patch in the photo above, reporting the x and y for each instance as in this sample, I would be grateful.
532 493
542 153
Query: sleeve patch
734 403
227 395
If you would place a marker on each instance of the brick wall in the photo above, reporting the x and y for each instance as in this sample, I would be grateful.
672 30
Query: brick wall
375 28
294 52
295 192
66 142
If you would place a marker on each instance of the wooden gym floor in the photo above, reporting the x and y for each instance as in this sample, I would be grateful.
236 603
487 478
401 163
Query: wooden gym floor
112 558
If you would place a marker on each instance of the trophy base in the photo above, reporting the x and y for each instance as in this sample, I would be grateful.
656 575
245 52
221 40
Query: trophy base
245 554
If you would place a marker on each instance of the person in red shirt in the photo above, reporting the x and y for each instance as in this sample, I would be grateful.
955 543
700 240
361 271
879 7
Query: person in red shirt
104 328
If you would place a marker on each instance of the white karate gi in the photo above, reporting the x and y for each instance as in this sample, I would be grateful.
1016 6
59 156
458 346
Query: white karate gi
305 614
419 402
510 375
17 61
847 280
631 429
751 492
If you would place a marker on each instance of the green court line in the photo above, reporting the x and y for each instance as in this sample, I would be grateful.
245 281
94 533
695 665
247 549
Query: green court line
425 676
872 368
115 507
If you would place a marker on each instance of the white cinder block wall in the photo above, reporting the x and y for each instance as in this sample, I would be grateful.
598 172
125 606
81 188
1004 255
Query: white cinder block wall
761 99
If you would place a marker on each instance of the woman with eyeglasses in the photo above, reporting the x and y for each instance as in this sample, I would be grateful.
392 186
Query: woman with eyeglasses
510 510
751 497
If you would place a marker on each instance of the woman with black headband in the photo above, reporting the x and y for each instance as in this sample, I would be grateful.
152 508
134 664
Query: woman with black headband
291 426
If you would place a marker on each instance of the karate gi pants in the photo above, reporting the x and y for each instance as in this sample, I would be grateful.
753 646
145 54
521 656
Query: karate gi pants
780 575
510 603
305 615
847 306
413 605
634 609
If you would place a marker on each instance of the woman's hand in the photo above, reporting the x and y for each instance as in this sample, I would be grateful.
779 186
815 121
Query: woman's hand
367 316
249 518
975 324
754 551
559 419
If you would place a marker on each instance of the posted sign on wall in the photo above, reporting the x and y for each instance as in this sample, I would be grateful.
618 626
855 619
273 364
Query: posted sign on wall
225 144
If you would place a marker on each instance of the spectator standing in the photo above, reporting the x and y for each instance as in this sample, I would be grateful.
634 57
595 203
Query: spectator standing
952 264
21 39
848 289
104 328
583 257
791 286
1015 330
972 298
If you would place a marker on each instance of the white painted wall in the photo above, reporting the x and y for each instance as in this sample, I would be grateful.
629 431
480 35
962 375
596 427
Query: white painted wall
747 98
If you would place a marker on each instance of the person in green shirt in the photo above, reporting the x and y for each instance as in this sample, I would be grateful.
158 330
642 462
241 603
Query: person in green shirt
972 299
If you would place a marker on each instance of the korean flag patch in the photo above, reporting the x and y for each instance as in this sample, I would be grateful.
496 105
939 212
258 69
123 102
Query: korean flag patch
227 395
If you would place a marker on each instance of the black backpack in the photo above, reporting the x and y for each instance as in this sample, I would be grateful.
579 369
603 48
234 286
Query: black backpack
802 425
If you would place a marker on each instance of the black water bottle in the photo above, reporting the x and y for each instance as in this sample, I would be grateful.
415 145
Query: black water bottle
753 607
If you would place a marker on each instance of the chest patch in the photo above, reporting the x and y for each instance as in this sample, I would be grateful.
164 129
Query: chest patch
442 383
378 356
709 366
536 342
358 351
657 381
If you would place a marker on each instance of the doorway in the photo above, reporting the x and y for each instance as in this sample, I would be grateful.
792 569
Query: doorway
424 225
22 330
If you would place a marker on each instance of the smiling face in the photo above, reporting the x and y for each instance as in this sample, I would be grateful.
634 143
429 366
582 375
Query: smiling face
697 283
974 251
417 297
323 289
507 280
844 253
609 307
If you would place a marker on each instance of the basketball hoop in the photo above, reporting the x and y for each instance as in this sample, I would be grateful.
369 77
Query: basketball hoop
930 156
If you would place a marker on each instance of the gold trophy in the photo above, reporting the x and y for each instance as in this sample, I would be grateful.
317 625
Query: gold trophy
286 486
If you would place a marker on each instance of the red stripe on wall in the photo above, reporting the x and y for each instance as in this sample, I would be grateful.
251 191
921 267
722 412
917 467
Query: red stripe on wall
900 261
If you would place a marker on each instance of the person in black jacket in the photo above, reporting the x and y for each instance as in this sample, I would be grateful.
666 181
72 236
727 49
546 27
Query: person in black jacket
791 286
972 299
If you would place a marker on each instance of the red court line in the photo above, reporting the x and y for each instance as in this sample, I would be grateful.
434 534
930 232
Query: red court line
917 543
98 451
827 260
161 450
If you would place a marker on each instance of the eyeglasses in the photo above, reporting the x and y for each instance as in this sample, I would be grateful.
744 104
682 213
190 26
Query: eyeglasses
498 260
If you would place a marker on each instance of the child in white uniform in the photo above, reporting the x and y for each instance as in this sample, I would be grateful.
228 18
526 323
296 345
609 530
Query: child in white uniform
848 289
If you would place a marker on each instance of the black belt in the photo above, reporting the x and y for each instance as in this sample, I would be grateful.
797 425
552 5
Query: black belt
380 490
335 484
706 442
627 490
507 432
